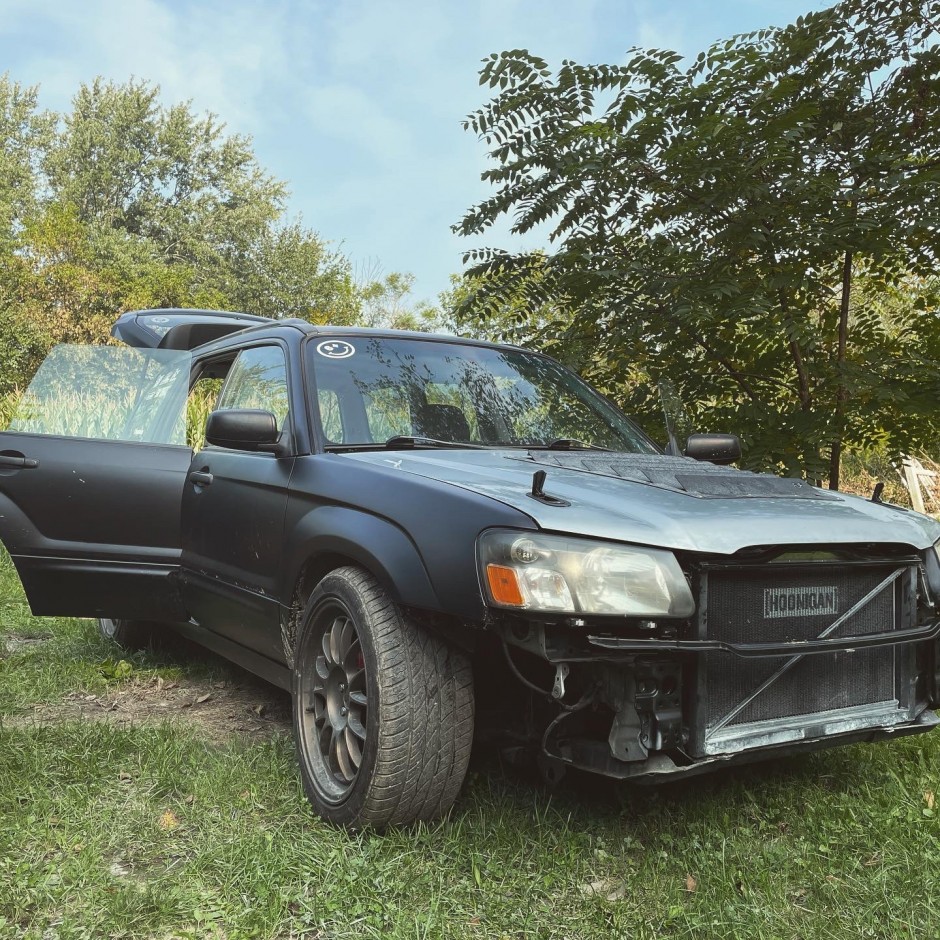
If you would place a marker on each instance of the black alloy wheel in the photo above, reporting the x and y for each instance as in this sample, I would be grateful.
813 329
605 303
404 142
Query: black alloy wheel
335 710
383 709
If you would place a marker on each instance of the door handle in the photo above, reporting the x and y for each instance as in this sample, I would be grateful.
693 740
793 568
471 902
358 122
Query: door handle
20 463
200 478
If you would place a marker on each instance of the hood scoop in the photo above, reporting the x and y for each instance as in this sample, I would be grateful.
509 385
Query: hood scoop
680 474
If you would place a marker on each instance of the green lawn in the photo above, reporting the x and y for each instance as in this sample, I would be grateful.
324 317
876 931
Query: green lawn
160 830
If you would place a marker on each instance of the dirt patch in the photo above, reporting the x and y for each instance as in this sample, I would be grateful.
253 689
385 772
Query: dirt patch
215 709
14 643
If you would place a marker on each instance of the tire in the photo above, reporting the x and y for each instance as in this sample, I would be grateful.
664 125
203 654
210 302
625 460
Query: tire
130 634
383 710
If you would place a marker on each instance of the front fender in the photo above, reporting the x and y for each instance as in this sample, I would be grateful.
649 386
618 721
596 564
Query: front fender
372 542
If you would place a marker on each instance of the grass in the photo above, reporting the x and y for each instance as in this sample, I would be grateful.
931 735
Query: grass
91 415
155 831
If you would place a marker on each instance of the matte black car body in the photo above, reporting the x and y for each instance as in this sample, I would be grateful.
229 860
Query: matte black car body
228 545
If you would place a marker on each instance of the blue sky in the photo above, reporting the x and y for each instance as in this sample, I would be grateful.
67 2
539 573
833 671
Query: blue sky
355 103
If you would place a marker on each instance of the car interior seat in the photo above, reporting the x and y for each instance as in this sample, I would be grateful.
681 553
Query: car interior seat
443 422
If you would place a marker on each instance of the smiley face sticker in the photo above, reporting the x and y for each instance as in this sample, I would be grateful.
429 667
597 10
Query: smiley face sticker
336 349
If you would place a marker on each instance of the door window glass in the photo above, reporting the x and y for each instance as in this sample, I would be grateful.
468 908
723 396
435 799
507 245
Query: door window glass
108 392
202 398
258 379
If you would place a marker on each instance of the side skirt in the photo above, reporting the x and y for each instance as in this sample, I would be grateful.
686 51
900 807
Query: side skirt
276 673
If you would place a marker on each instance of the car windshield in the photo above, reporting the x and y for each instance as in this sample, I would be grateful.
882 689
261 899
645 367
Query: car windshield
374 390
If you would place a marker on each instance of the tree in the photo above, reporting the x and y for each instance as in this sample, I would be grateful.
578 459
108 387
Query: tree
713 224
128 163
25 133
513 319
386 303
290 271
126 203
161 186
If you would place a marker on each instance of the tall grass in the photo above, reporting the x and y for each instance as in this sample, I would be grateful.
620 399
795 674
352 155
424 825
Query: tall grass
8 405
95 416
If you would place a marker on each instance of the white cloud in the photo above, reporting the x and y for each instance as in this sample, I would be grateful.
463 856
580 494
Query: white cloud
222 56
374 37
656 29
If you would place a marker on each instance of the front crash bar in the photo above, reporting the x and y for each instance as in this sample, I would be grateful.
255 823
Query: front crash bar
929 631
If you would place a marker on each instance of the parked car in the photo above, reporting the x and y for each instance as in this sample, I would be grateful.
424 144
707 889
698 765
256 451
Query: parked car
395 526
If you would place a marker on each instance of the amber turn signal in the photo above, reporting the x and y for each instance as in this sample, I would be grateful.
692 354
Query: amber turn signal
504 586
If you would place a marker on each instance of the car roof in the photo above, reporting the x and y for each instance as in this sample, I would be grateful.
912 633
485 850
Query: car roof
190 329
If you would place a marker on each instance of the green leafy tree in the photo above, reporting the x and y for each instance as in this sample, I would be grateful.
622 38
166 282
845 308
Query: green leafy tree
128 163
290 271
125 203
713 224
387 303
160 187
513 319
69 279
25 134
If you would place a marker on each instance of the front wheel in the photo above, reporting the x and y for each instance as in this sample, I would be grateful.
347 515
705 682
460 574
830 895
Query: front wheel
383 710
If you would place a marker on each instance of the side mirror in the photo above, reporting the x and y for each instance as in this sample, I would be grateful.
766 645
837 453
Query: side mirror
715 448
244 429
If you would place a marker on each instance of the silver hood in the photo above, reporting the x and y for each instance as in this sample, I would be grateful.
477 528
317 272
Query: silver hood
671 502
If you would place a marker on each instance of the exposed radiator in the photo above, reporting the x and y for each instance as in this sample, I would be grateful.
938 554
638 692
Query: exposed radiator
750 702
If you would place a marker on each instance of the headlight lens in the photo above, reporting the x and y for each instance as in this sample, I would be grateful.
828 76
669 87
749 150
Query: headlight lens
566 575
932 565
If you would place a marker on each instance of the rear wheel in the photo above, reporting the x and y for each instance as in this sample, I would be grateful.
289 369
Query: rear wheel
131 634
383 710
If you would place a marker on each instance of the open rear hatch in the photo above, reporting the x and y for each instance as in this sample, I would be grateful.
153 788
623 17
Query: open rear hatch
176 328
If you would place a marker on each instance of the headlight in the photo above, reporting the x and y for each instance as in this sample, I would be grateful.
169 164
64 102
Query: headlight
932 566
556 574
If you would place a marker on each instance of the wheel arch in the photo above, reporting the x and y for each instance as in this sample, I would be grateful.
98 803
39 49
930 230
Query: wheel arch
331 537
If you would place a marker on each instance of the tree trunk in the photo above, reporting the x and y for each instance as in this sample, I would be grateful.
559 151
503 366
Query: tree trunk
835 459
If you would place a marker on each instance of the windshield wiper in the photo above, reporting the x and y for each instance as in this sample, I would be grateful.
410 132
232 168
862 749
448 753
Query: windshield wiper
401 441
567 443
407 441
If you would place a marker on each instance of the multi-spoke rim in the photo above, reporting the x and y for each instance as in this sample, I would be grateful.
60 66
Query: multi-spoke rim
333 701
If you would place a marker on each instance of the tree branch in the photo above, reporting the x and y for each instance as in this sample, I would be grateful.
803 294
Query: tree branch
842 395
735 373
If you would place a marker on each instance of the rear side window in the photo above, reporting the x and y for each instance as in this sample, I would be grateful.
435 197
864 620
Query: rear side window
258 379
113 393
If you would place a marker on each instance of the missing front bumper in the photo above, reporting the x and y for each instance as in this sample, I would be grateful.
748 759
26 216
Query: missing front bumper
662 767
827 724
